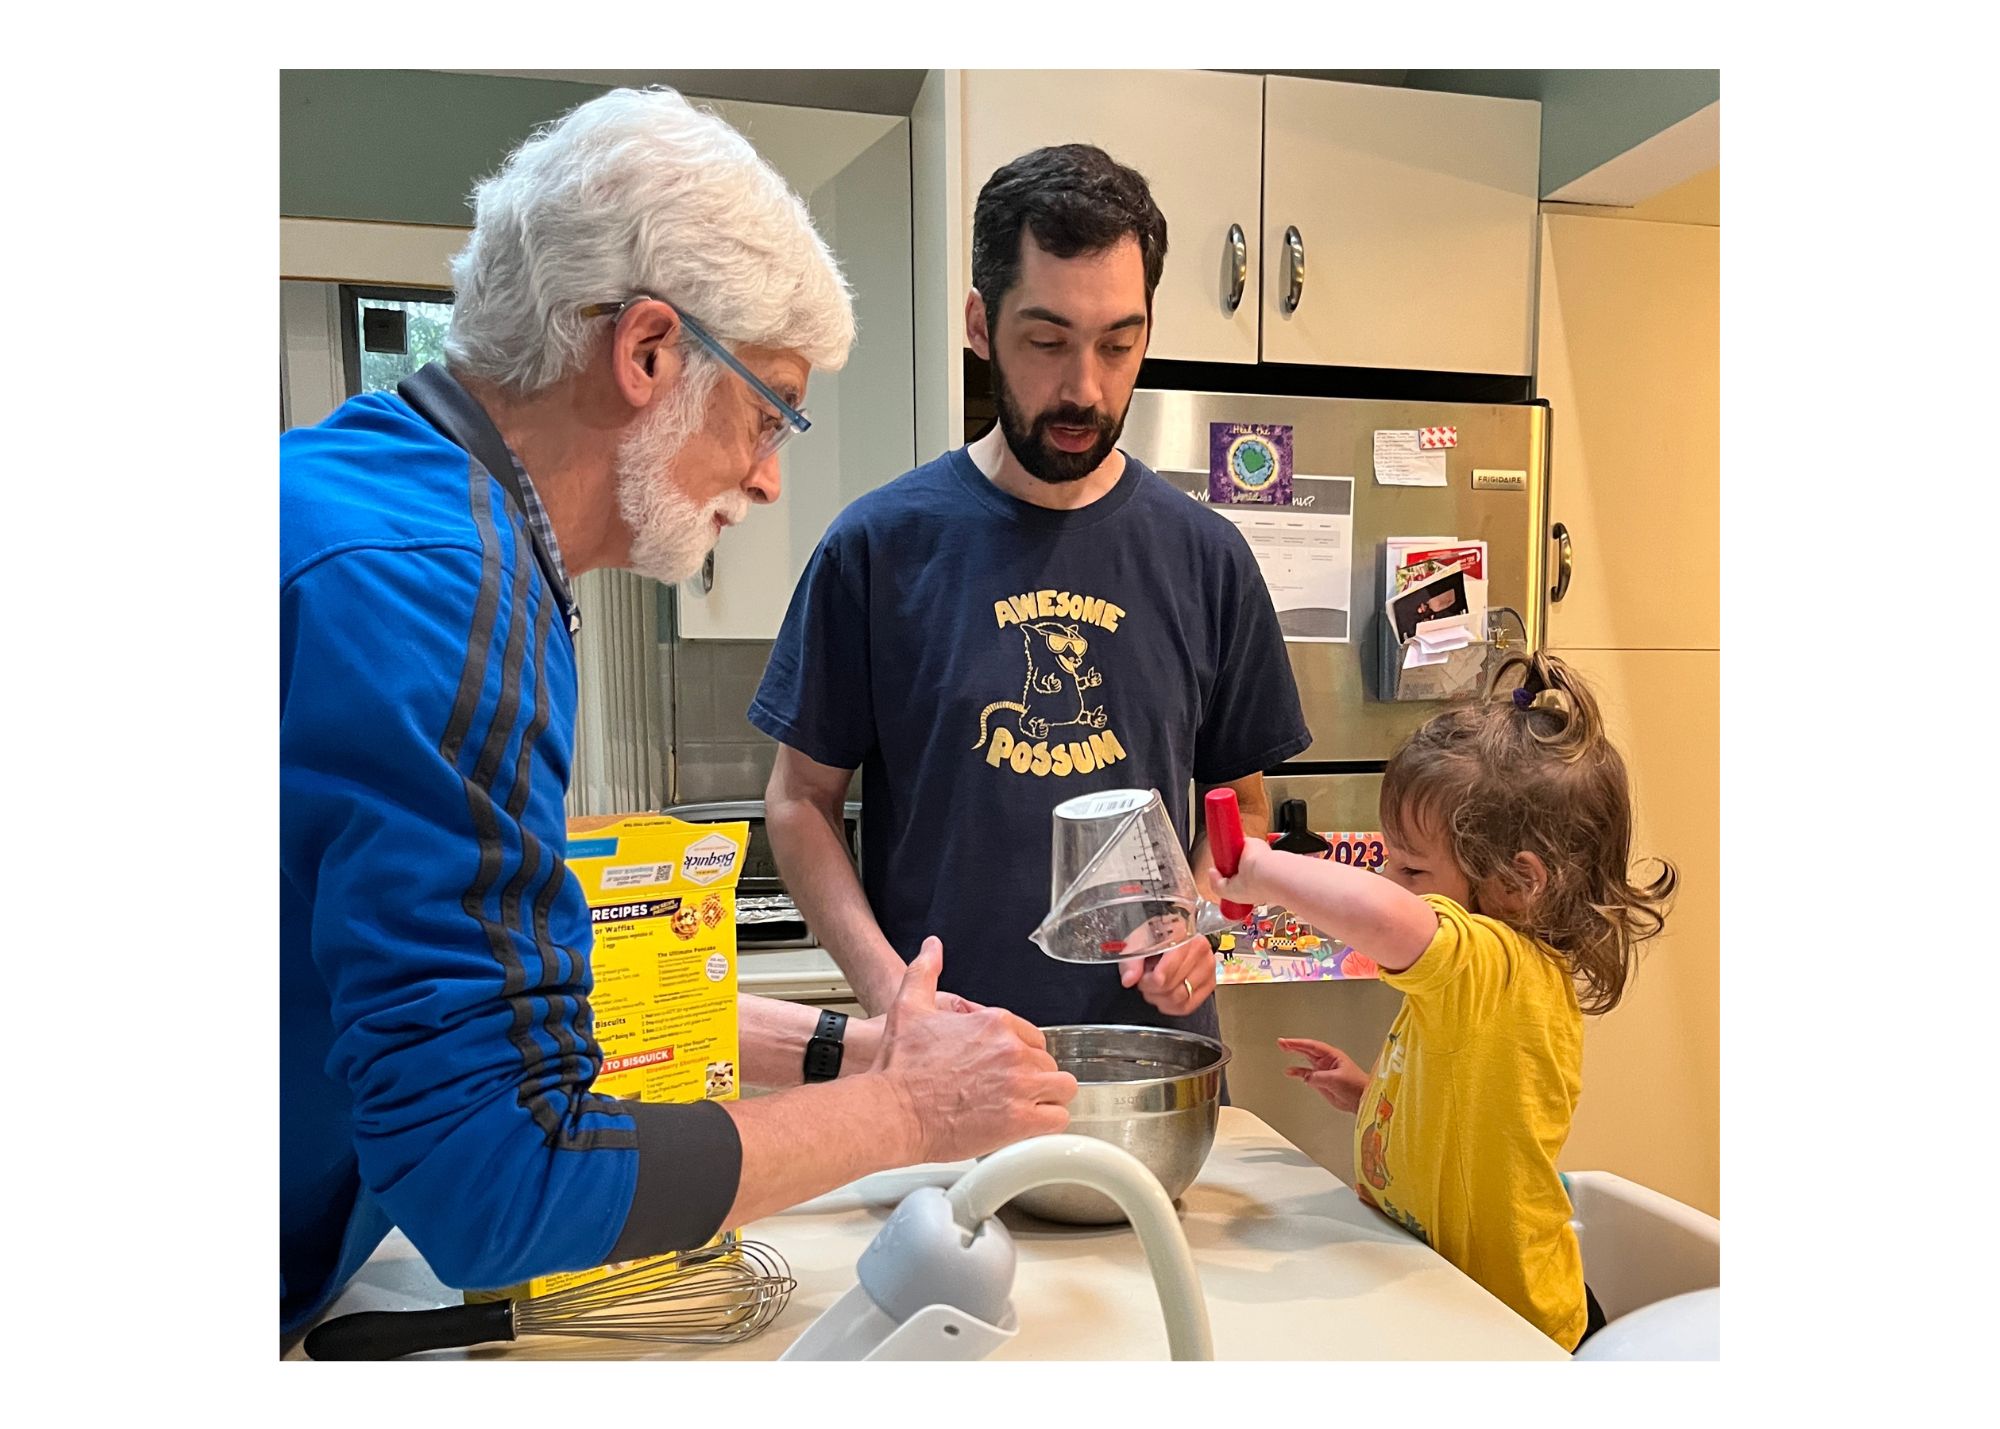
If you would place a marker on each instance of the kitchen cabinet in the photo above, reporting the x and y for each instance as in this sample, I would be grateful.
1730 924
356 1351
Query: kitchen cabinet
853 170
1414 213
1194 134
1628 358
1651 1067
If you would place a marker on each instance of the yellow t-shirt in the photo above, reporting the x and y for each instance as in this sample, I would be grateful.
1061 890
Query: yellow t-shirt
1457 1136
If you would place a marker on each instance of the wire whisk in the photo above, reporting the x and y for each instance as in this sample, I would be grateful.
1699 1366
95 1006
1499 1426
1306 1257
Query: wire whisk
717 1295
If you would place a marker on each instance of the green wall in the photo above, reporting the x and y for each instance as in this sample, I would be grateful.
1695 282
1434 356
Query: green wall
403 146
1588 115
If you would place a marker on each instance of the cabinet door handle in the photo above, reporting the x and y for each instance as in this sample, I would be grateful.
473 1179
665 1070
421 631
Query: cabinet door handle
1239 266
1295 253
1565 560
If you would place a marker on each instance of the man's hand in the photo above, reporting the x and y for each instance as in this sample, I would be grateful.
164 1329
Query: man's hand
971 1081
1176 981
1331 1073
867 1037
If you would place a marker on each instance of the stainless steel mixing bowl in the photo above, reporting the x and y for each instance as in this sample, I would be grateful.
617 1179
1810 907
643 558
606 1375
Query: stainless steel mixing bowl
1152 1091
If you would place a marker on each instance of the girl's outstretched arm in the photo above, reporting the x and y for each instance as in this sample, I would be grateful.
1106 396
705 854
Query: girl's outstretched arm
1374 916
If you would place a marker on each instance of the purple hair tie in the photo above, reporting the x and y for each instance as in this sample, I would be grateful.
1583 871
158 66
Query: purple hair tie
1522 699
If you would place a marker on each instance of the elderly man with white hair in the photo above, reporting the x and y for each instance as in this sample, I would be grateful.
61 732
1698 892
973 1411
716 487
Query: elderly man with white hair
639 310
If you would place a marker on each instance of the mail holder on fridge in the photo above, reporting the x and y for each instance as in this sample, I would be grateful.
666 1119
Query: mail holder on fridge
1447 674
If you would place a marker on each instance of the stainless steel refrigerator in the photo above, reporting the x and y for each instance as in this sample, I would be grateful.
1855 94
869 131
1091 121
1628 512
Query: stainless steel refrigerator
1344 685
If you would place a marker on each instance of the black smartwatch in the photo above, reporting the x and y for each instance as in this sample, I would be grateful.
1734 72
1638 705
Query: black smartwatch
824 1051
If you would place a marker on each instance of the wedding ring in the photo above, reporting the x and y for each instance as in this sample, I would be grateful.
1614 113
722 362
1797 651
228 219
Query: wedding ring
1188 983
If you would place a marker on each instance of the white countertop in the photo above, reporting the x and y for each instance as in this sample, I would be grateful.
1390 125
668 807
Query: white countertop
1292 1264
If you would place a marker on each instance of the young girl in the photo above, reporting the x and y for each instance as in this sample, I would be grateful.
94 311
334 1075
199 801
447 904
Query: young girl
1508 912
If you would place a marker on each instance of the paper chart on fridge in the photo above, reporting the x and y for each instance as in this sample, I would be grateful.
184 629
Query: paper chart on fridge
1307 560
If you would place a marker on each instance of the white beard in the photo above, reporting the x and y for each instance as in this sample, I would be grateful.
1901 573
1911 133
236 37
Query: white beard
671 535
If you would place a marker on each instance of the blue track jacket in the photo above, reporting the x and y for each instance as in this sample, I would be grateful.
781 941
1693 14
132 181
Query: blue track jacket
435 1036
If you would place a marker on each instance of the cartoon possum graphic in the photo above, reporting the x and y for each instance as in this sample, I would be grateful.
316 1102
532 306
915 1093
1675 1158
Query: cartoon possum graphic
1047 700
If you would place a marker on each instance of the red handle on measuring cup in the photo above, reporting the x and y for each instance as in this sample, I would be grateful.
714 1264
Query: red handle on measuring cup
1225 842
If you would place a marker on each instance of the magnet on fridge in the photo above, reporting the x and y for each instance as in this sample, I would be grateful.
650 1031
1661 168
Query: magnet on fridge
1250 463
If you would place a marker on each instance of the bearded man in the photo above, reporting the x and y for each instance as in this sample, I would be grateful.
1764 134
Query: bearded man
1026 619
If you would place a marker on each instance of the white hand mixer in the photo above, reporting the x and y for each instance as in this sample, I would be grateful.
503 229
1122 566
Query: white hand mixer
936 1282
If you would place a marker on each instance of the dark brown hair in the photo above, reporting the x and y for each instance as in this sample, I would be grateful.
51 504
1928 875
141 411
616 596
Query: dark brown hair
1530 770
1075 199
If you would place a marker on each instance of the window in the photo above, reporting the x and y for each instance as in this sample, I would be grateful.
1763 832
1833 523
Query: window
388 333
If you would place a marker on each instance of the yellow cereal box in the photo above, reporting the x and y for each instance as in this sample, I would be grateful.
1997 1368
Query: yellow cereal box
662 898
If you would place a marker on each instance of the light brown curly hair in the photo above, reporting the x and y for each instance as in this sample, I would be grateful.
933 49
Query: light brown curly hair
1529 769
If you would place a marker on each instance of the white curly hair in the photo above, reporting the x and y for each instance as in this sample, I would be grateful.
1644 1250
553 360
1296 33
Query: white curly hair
638 189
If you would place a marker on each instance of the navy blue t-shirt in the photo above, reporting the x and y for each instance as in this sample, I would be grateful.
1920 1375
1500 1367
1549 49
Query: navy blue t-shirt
981 660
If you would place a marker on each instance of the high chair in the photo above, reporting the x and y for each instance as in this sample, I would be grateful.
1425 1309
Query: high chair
1642 1248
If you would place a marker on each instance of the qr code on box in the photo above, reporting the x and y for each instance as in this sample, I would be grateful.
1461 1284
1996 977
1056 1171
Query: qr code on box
637 875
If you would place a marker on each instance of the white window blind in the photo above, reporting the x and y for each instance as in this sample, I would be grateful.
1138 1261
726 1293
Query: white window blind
620 763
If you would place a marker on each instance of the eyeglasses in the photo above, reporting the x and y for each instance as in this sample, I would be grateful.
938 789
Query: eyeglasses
791 420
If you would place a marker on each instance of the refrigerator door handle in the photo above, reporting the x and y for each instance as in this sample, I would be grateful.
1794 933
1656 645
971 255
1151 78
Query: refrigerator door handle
1239 267
1565 559
1295 250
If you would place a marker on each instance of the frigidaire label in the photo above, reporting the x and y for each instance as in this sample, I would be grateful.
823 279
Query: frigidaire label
1484 479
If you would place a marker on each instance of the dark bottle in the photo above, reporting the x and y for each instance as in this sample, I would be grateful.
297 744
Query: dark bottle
1294 836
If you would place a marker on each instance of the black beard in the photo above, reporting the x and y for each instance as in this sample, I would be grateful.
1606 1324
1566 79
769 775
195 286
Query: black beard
1030 443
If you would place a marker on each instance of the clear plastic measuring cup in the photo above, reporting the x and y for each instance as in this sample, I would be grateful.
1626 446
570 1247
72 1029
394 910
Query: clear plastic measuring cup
1120 885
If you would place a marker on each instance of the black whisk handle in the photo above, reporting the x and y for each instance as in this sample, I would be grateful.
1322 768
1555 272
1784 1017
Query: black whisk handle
390 1334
